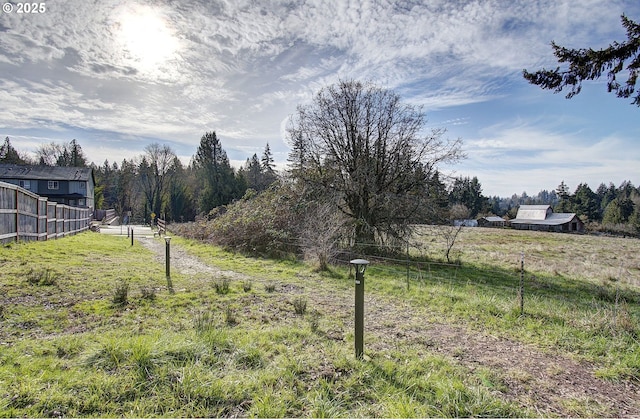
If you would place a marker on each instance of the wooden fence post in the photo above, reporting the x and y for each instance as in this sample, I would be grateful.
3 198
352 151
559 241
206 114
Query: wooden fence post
521 292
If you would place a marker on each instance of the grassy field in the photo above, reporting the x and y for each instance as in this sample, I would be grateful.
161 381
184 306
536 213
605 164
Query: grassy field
91 327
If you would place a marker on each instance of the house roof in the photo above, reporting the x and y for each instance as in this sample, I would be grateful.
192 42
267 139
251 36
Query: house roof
14 171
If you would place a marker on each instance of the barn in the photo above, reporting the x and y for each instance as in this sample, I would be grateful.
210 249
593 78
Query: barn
491 221
542 218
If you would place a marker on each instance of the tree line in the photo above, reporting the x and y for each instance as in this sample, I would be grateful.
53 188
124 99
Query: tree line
157 181
359 157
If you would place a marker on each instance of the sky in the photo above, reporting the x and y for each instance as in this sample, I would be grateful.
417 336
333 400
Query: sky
117 75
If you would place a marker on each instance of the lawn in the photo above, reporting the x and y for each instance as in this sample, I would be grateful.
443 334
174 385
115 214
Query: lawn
91 327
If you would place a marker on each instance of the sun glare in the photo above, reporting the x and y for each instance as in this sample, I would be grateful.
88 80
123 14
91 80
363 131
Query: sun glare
146 38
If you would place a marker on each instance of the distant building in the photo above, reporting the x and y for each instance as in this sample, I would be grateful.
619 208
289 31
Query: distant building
73 186
492 221
542 218
465 223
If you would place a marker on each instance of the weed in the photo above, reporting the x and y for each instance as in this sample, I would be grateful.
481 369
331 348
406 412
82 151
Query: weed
204 321
623 321
270 287
70 347
148 293
43 278
230 317
300 305
247 285
222 286
250 358
121 294
314 320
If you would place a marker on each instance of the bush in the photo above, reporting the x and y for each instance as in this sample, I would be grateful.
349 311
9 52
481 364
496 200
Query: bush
267 223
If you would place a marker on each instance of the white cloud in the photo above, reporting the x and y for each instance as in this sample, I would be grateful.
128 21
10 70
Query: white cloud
240 67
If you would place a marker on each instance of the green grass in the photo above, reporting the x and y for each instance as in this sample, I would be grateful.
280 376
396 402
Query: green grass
67 349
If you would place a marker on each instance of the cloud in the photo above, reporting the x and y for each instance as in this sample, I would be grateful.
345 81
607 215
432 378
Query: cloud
240 67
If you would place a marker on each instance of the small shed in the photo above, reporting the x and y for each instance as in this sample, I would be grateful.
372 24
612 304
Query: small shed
465 223
491 221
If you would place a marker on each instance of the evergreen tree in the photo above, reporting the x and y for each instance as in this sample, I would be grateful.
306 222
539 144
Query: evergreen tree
10 155
219 184
586 202
468 192
564 203
589 64
613 214
267 166
253 173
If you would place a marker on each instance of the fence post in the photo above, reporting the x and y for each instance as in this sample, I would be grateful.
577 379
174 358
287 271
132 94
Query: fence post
407 265
521 291
360 266
167 257
17 217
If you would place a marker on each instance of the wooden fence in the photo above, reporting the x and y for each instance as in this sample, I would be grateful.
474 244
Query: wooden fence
27 216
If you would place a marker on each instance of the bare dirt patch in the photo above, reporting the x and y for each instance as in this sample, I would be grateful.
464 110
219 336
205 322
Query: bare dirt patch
548 383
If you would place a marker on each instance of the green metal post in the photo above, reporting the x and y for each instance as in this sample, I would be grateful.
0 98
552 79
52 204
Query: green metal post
168 257
360 265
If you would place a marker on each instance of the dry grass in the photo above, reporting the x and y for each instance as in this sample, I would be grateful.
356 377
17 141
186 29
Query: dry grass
588 257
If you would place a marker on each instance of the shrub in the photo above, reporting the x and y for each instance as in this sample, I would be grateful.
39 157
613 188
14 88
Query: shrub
266 223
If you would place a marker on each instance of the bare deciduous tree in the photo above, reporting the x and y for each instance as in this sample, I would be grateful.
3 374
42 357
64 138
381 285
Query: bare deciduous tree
361 144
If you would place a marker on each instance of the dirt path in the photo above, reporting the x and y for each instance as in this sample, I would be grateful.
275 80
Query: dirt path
552 384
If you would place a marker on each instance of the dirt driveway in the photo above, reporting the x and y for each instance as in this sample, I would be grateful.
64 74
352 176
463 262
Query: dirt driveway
531 376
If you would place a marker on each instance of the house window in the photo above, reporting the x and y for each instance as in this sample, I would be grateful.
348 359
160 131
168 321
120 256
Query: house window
53 184
83 185
25 184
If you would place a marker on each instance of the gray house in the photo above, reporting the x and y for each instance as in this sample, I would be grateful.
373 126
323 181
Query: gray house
73 186
542 218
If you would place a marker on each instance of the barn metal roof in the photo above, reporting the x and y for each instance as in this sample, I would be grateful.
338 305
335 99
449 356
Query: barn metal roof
533 212
494 219
14 171
552 219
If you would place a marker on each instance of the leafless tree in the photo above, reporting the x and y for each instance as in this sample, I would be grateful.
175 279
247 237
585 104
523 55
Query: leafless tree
321 232
361 144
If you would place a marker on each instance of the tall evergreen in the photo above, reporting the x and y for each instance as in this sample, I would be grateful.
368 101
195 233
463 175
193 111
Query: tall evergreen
217 178
8 154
